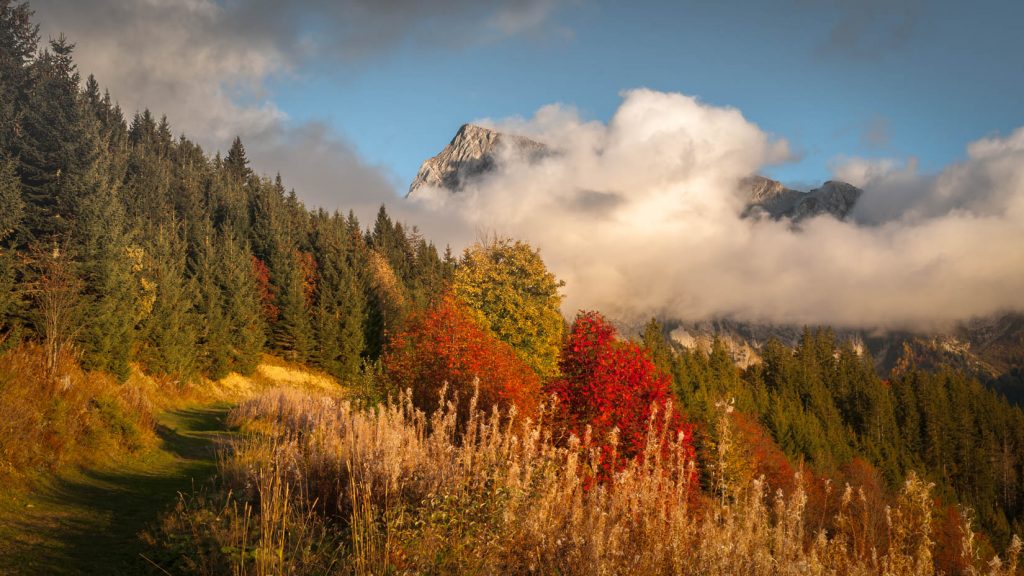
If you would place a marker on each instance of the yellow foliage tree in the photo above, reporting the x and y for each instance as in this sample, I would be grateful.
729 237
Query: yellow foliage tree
506 284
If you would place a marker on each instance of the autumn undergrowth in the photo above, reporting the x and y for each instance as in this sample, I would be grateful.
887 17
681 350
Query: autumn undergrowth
50 419
318 485
62 417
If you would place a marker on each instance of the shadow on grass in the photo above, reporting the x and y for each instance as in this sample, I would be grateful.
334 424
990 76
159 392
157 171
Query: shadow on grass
90 523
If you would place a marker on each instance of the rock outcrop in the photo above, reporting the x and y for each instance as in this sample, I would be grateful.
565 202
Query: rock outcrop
770 199
472 153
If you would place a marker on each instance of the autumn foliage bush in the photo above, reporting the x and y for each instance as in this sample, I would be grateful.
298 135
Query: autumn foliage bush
445 345
609 385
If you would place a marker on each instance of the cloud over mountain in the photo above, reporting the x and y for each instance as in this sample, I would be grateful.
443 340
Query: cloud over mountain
642 217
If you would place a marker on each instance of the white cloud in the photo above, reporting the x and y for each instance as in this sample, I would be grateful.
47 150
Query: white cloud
640 217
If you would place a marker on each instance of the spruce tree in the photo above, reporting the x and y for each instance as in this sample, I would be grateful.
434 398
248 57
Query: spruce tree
292 332
110 283
214 346
241 303
19 39
58 151
102 240
169 328
340 306
11 211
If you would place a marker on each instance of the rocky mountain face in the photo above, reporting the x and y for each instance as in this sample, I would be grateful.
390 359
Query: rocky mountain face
769 198
472 153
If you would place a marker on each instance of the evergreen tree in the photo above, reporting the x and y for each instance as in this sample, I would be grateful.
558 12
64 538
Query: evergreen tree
236 162
214 325
658 349
58 151
110 283
19 38
340 306
168 330
11 211
241 303
102 240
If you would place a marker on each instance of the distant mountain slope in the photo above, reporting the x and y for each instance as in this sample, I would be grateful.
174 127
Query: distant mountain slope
990 349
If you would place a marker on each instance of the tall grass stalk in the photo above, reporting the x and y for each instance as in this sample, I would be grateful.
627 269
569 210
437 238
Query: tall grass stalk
339 488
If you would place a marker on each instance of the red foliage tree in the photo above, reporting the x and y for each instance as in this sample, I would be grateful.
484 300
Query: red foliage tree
446 344
267 293
607 384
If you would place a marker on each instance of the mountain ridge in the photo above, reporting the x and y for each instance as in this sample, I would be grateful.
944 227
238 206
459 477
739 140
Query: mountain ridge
476 151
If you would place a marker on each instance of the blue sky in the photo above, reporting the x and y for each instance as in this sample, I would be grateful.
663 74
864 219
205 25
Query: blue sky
868 79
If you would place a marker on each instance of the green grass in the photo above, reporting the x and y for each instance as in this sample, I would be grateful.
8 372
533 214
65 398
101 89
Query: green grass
89 522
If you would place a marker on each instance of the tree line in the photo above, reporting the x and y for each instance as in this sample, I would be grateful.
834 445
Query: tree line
823 405
141 247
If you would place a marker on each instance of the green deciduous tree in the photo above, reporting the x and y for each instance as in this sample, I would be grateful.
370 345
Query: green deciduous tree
512 292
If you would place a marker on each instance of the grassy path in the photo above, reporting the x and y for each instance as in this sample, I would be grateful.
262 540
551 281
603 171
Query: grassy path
89 523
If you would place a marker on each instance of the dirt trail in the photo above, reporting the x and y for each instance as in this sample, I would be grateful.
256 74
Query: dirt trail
89 523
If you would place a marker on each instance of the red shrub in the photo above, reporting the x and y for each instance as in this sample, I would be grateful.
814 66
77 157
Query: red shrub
446 344
608 384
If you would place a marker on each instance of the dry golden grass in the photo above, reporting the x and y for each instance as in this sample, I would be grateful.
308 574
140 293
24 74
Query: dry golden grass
70 416
50 419
323 485
272 372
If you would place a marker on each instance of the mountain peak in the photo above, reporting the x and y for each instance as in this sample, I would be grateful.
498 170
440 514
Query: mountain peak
472 153
769 198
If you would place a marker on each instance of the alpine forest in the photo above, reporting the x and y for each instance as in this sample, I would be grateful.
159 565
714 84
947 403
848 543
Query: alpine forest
204 370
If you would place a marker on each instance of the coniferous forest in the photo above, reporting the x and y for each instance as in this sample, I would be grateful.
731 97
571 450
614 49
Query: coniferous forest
127 252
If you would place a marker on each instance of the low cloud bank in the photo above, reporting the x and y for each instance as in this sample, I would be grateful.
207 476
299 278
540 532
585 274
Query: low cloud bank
641 218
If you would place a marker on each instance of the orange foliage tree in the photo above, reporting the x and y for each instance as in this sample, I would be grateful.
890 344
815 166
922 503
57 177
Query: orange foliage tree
608 384
765 457
446 344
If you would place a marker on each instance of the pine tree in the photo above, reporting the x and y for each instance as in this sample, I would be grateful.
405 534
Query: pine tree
110 283
292 332
101 238
168 330
236 161
11 212
148 192
214 326
660 351
18 43
58 151
340 306
242 304
12 208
